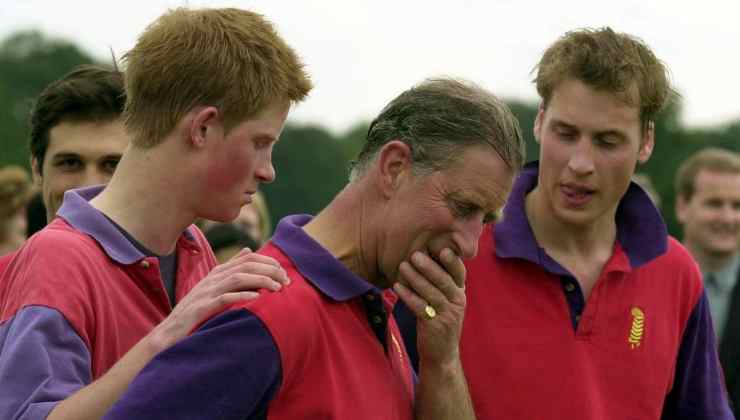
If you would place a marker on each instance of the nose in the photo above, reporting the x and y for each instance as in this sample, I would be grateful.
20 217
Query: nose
94 176
265 172
729 213
581 160
467 238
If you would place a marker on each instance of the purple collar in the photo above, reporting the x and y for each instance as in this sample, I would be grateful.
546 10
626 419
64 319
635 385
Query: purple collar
78 212
315 263
641 232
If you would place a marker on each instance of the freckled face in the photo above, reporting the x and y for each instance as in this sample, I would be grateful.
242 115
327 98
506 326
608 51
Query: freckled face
240 161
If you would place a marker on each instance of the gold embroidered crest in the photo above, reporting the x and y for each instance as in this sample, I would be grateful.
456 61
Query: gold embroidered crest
638 327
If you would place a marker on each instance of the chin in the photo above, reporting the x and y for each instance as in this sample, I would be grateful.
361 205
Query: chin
222 216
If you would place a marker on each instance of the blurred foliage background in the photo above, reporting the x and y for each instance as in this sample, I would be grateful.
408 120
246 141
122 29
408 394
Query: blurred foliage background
311 161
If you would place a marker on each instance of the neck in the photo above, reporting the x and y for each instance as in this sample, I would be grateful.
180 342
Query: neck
554 235
341 228
709 262
146 200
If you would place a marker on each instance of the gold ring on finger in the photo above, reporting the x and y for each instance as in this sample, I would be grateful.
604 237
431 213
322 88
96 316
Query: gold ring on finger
430 312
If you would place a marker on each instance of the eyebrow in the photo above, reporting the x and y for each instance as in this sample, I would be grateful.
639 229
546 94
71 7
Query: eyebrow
59 156
65 155
477 198
559 123
268 137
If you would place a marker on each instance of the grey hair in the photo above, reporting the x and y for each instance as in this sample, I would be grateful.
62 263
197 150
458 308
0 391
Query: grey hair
437 119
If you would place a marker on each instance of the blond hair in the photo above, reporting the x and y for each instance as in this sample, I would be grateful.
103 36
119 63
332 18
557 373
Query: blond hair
229 58
606 60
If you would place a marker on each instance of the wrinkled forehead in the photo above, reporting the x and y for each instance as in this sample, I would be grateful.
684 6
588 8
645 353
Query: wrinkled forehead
481 175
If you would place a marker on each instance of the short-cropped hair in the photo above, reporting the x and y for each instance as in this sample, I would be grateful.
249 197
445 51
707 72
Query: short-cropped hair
229 58
88 93
609 61
437 119
712 159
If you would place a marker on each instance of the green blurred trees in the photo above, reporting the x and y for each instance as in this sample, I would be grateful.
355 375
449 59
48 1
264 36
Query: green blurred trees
28 62
312 163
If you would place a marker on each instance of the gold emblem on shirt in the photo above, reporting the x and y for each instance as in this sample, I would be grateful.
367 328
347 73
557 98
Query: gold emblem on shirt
638 327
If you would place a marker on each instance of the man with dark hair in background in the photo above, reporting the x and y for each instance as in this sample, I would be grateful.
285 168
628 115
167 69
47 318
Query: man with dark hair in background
76 135
76 132
580 306
438 162
708 207
91 298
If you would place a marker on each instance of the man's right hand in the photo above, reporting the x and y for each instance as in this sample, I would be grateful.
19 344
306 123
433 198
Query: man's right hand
235 280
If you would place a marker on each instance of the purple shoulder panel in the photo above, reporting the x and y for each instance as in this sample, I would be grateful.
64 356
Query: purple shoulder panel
42 361
228 369
698 389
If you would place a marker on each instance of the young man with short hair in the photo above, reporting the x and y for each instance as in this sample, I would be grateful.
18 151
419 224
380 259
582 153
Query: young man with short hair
580 306
76 134
89 300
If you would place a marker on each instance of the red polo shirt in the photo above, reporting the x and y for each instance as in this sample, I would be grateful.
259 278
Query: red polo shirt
75 298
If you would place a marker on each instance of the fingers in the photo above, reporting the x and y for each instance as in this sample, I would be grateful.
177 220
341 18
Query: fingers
229 298
454 266
427 270
248 281
246 250
423 287
251 263
415 303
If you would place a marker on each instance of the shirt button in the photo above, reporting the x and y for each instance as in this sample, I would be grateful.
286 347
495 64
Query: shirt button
194 251
578 318
570 287
377 320
144 264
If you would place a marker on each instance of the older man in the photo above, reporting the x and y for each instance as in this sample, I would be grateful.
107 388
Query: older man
437 164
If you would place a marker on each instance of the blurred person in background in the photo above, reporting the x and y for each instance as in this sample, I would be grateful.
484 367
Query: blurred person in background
253 220
76 138
77 135
15 193
708 207
227 240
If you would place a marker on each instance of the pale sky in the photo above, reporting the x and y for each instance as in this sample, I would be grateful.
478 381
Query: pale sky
361 54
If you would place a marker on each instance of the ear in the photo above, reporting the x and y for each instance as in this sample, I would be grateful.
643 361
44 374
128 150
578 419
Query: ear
537 129
36 171
647 143
205 123
394 163
682 206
